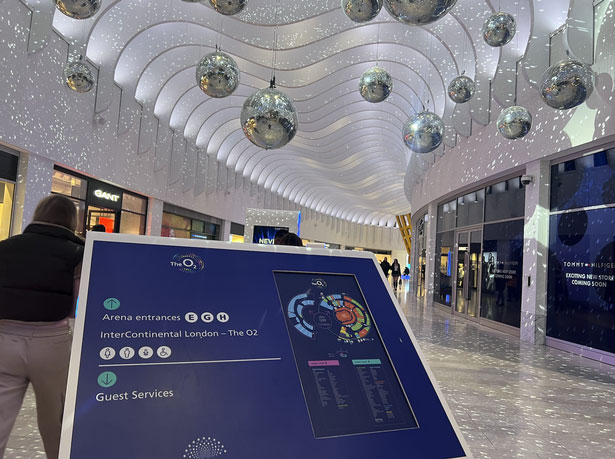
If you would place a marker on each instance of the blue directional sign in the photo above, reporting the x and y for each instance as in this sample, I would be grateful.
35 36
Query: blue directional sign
195 349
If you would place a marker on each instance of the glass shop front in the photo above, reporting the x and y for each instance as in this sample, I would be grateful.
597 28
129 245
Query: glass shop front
187 224
581 276
479 253
8 178
99 203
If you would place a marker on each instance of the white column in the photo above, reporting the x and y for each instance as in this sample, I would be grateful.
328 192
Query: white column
225 230
535 254
431 222
154 217
33 184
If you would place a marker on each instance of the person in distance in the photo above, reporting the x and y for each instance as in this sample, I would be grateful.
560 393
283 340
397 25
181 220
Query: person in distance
39 277
291 239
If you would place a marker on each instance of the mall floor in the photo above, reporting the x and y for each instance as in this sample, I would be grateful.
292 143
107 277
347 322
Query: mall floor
510 399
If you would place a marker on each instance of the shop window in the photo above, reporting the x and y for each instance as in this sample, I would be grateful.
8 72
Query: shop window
68 185
584 182
581 278
443 288
470 208
505 200
447 215
502 272
134 203
7 198
132 223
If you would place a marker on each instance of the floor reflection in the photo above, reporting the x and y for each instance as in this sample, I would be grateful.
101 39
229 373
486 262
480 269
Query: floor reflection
513 399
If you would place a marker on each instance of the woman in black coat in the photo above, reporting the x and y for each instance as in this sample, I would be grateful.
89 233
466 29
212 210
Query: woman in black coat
39 275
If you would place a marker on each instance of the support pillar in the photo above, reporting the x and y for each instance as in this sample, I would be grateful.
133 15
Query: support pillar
535 254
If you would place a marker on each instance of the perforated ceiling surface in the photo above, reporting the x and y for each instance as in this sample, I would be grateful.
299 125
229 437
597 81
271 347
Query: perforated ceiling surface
348 158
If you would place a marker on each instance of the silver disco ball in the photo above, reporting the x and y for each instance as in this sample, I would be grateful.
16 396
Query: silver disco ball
217 74
228 7
375 85
78 77
514 122
499 29
78 9
423 132
269 119
567 84
418 12
361 10
461 89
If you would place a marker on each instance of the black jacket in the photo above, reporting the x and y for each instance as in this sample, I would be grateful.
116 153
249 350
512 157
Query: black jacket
37 273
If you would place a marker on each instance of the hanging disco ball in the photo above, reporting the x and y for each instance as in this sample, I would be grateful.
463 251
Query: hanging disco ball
499 29
418 12
514 122
78 9
269 119
217 74
461 89
361 10
375 85
423 132
228 7
78 76
567 84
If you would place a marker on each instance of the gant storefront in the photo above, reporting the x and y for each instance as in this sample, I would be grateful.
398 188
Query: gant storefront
99 203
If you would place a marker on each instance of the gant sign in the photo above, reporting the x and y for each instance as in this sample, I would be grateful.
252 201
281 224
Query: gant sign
105 195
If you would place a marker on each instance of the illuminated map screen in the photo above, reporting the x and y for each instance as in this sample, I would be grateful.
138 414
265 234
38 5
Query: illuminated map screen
348 380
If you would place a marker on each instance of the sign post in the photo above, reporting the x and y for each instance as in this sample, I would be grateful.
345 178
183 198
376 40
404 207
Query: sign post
195 349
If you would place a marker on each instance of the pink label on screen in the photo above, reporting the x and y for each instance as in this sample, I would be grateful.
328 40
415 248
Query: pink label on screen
324 363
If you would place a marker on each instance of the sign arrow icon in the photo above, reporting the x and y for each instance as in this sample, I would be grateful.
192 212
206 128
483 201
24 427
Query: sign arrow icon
107 379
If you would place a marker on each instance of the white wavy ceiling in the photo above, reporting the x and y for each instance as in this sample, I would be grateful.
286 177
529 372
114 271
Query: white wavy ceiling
347 159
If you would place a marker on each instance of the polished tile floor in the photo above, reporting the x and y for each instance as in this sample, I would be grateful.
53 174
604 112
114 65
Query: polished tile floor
510 399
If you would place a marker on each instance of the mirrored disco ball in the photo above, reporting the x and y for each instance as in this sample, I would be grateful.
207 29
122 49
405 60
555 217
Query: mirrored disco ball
514 122
461 89
375 85
228 7
423 132
418 12
78 76
217 74
361 10
269 119
499 29
78 9
567 84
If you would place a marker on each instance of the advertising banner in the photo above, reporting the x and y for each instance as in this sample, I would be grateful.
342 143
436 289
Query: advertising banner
306 356
265 234
581 282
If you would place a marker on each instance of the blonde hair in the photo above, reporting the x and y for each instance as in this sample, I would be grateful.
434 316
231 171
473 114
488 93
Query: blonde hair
58 210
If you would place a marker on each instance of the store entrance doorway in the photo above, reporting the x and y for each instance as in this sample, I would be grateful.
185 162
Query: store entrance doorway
466 294
100 216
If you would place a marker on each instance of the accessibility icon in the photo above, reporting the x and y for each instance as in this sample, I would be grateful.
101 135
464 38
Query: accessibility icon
164 352
107 379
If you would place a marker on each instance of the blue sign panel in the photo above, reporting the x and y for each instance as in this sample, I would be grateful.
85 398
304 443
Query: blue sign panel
308 357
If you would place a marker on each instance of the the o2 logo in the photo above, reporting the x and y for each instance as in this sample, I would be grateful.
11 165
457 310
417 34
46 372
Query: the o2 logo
319 283
188 263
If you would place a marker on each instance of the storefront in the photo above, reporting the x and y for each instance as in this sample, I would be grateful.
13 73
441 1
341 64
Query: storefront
581 272
479 254
8 177
237 232
184 223
99 203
